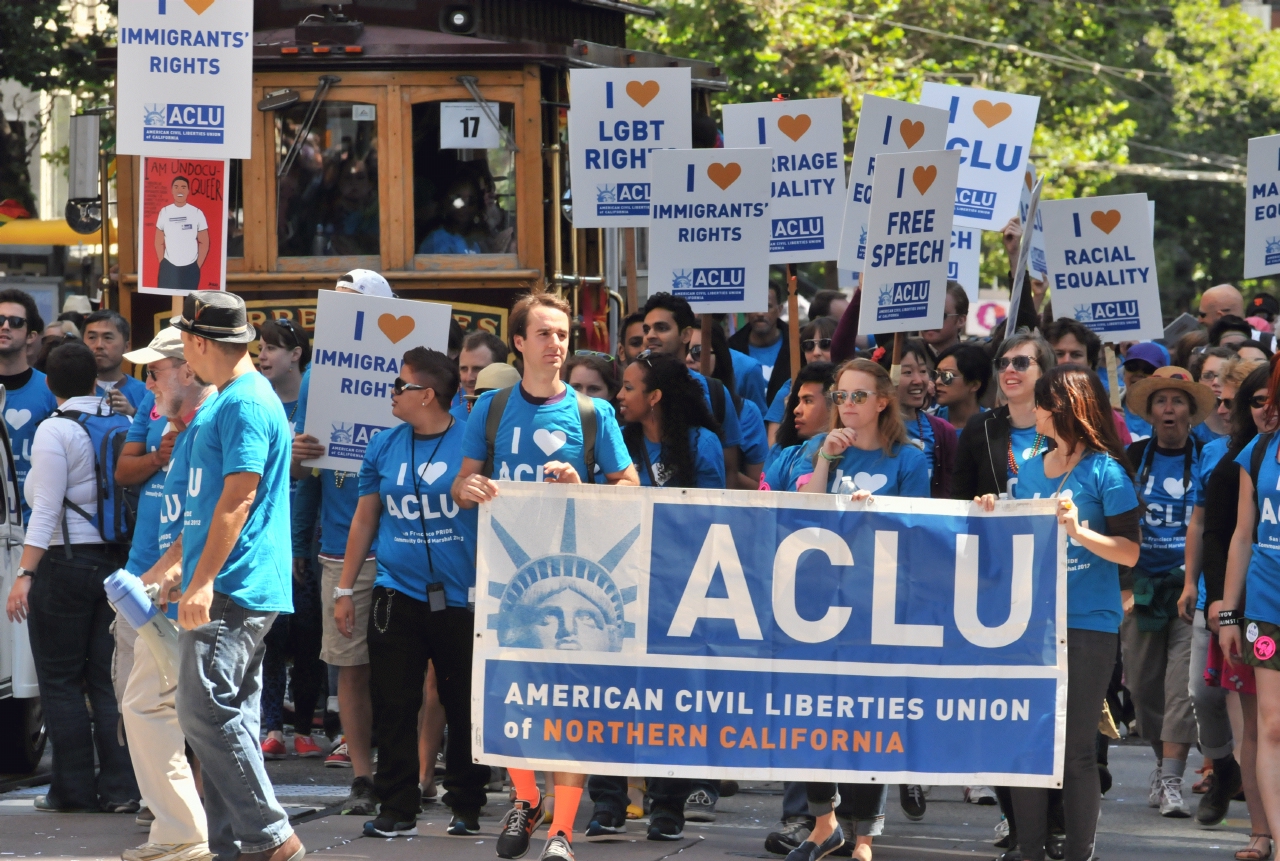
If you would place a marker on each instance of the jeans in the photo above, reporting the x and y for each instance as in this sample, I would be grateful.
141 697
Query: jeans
1090 659
668 794
219 693
403 635
795 800
861 802
1216 741
71 641
295 635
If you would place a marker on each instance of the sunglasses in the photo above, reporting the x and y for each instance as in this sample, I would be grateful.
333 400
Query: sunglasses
289 326
944 377
809 344
1021 364
695 352
14 322
399 387
839 398
155 375
605 356
1257 402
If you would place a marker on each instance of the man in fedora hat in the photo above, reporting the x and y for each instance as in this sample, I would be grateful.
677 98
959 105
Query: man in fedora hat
1154 636
236 575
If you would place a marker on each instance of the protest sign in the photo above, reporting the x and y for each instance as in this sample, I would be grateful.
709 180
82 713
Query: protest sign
1019 274
1102 267
619 117
355 359
710 228
184 77
908 241
885 125
965 260
807 186
1036 261
784 637
182 226
993 132
1262 208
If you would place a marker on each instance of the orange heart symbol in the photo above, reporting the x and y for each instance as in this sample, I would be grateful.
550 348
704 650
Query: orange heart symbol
198 6
923 177
1105 221
1026 177
724 175
642 92
396 328
794 127
992 115
911 132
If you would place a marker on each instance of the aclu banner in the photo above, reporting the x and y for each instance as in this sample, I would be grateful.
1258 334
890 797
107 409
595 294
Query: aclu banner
1262 208
783 637
1102 265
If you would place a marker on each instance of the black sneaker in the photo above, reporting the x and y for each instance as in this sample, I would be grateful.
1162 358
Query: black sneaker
664 826
700 807
361 801
1055 848
913 803
1224 782
387 826
463 824
517 827
557 849
605 824
793 832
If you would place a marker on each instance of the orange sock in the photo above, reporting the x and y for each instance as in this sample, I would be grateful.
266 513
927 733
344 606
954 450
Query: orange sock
567 800
526 784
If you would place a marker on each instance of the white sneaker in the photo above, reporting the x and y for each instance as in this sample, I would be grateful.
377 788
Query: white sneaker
1171 803
980 795
167 852
1153 797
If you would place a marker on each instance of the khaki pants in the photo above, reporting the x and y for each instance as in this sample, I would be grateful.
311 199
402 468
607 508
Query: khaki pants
1156 665
158 751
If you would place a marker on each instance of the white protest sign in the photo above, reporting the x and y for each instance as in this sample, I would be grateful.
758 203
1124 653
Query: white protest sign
619 117
1036 262
359 342
908 240
993 132
184 78
1101 265
807 139
965 259
464 125
885 125
1262 208
709 236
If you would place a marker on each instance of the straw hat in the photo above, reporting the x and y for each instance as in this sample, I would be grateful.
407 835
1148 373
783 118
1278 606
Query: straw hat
1139 394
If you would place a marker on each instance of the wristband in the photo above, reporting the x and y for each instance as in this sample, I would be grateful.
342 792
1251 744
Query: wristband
829 458
1230 617
339 592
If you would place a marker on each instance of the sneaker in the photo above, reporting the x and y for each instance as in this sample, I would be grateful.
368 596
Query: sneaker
1104 778
557 849
464 824
809 851
273 748
43 804
604 824
983 795
338 757
700 807
361 801
121 806
1055 848
1153 796
144 818
1224 781
387 826
665 826
167 852
793 832
1003 840
1171 803
305 745
912 800
517 827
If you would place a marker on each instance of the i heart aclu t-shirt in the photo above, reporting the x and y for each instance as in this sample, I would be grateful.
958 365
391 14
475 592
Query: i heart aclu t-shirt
905 472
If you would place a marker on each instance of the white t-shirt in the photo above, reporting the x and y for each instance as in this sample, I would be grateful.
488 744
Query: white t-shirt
181 225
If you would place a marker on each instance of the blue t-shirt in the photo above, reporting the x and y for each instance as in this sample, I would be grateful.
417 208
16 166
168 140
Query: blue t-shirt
1169 502
755 440
459 409
1212 453
1205 435
921 429
25 408
174 496
782 464
766 356
411 476
1139 428
441 241
531 435
133 389
747 379
903 473
1262 583
708 457
730 428
944 413
244 430
1100 488
1025 447
148 428
778 408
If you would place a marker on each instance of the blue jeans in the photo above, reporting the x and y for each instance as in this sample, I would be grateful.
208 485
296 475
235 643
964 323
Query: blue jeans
219 694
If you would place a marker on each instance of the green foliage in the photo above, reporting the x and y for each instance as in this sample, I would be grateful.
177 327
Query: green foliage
39 49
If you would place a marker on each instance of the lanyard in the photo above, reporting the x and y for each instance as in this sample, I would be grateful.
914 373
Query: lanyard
417 491
1148 460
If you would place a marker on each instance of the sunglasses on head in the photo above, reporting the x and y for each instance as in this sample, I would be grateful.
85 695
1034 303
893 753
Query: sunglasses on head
1021 364
1257 402
606 356
838 398
289 326
399 387
646 356
944 377
808 344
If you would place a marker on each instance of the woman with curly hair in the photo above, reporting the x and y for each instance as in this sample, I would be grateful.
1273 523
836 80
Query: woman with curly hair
668 427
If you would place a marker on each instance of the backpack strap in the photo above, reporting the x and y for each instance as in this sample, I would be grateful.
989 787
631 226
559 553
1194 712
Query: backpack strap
716 390
587 416
1255 467
492 421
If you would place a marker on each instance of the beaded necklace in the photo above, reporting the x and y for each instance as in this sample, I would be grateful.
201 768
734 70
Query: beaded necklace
1035 449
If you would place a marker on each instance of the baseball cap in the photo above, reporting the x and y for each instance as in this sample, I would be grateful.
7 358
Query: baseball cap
167 344
1264 302
1146 352
366 281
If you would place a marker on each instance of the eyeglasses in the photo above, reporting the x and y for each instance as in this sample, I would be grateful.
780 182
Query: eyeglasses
1021 364
1257 402
1208 376
944 377
155 375
13 322
605 356
399 387
821 343
838 398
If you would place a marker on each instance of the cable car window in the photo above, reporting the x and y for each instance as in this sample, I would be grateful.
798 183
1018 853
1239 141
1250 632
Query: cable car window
235 209
327 204
464 196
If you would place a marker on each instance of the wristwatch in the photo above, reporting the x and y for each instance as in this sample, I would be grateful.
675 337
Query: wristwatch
26 572
339 592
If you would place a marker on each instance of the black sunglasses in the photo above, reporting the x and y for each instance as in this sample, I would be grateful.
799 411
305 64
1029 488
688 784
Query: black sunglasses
14 322
1021 364
821 343
399 387
294 332
1257 402
944 377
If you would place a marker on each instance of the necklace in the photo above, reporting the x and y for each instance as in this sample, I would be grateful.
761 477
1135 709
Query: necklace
1035 449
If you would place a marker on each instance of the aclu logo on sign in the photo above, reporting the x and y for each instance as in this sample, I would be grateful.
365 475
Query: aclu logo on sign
351 440
903 299
1273 251
1109 316
710 284
975 203
796 234
862 244
183 123
623 198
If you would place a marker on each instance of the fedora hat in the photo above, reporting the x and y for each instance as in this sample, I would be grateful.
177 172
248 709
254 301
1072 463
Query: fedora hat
215 315
1139 394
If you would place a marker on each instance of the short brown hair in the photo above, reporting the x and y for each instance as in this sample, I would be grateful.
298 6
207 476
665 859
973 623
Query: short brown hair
489 341
519 318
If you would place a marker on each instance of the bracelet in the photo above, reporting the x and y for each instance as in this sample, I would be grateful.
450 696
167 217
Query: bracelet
1230 617
1227 623
829 458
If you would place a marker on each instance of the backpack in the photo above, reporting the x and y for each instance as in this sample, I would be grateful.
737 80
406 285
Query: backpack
586 415
117 503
